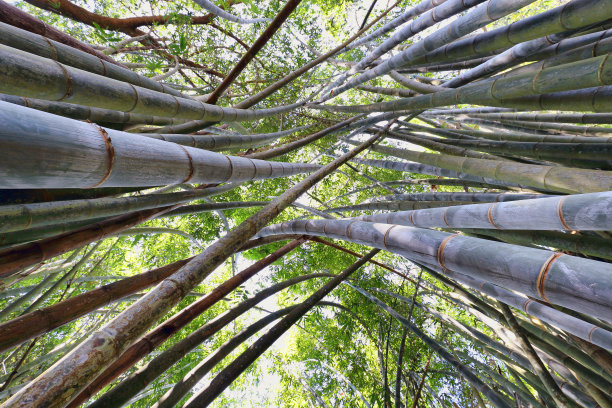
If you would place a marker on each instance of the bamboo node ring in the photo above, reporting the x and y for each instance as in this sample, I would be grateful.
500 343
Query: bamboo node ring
110 153
441 250
591 332
191 168
490 215
541 280
385 236
561 217
68 81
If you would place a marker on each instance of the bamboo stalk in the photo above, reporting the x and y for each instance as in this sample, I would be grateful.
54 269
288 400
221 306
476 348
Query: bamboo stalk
69 376
154 338
571 213
22 74
106 157
136 381
492 395
241 363
569 281
547 178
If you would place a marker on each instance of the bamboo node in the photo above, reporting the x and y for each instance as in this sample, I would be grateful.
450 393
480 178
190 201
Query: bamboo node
444 218
540 282
490 215
68 81
441 250
385 236
561 218
591 332
110 152
51 47
231 167
191 168
527 302
136 98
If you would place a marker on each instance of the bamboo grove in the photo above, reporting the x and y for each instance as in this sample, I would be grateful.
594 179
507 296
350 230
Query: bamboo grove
306 203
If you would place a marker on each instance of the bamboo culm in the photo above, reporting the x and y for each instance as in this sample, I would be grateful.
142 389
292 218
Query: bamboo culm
569 281
99 157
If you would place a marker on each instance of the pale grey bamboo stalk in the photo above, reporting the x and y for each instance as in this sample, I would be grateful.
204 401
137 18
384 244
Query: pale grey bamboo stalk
479 17
396 22
32 76
38 45
422 182
415 167
463 197
219 12
59 383
438 11
517 137
414 85
584 330
84 155
578 212
577 283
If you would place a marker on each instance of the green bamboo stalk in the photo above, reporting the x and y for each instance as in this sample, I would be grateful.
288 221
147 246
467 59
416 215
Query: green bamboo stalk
586 118
81 112
591 72
493 396
31 234
224 142
241 363
548 178
32 76
38 45
415 167
463 197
